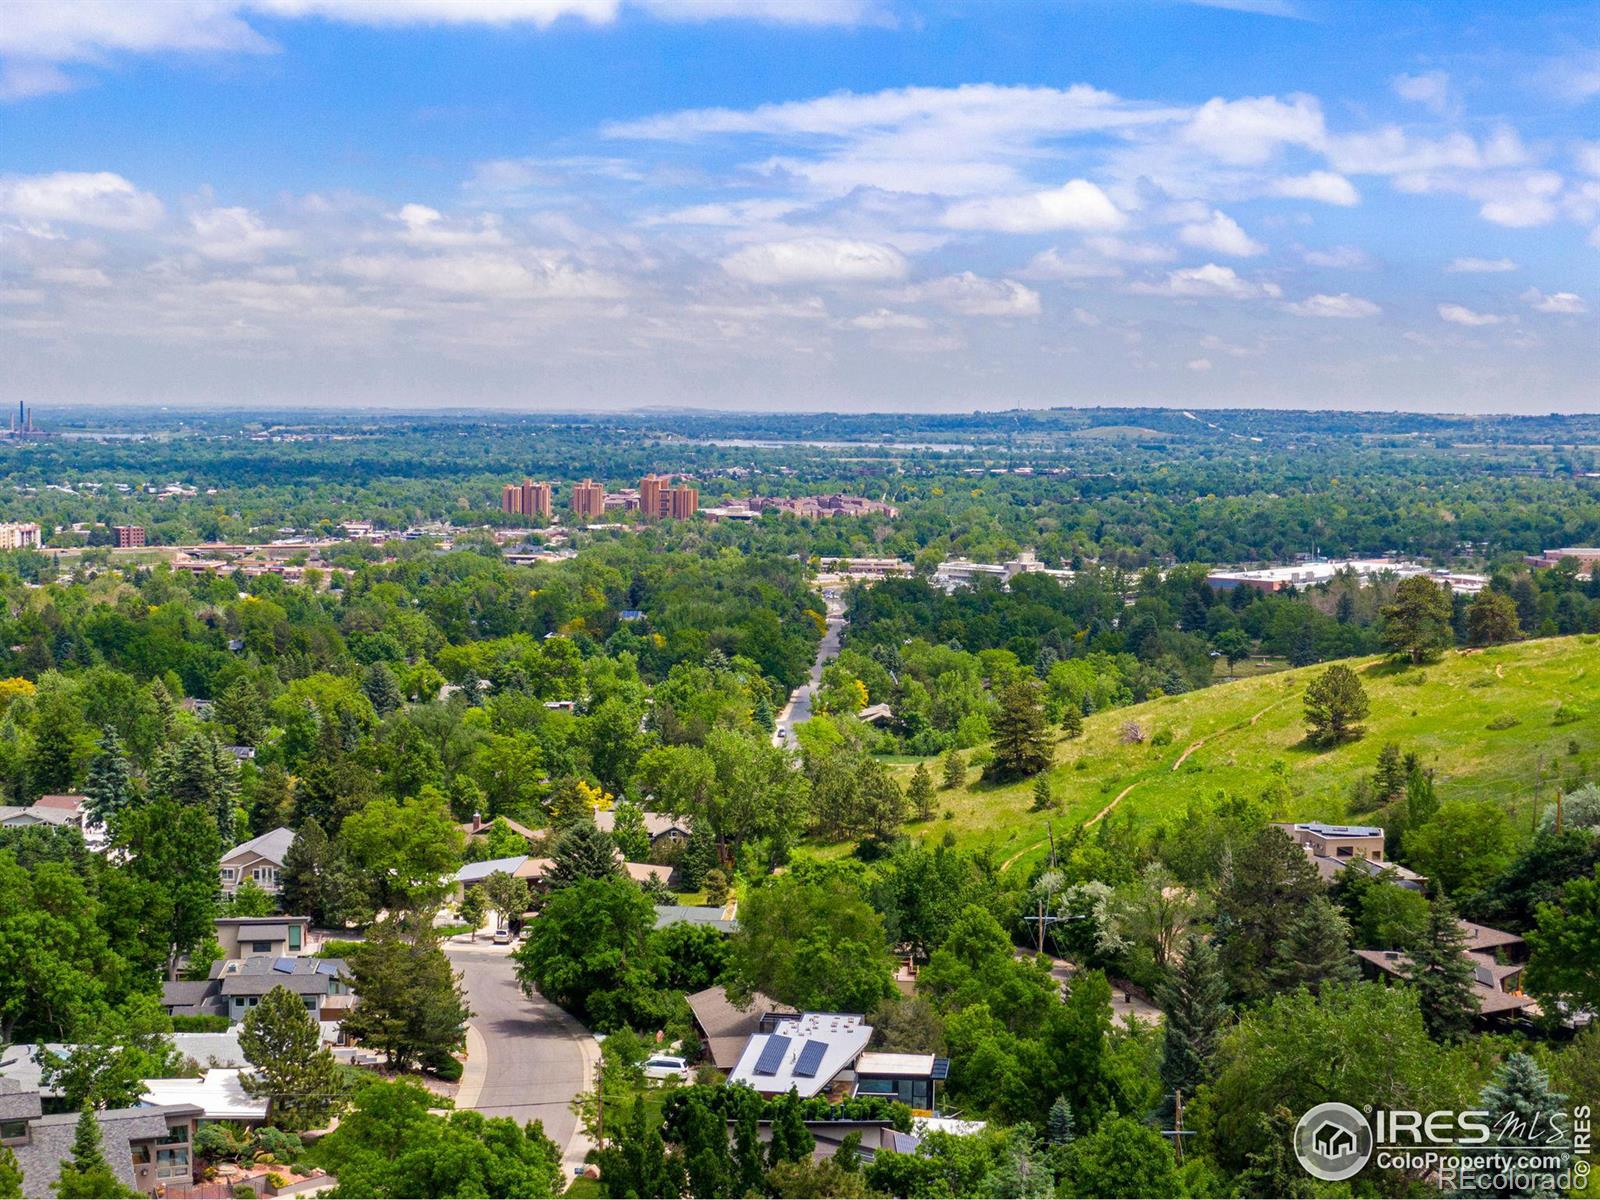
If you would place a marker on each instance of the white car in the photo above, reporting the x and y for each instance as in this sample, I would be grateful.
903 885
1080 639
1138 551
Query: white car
502 937
664 1066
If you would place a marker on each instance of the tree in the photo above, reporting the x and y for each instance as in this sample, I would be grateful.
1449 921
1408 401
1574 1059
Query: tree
583 852
404 852
412 1005
381 688
1462 847
629 833
812 941
1022 743
1442 974
296 1073
1316 949
1072 720
110 1059
250 899
472 910
1043 798
109 785
1268 886
87 1173
1389 776
10 1175
1335 704
303 885
919 795
1524 1111
1492 619
200 773
55 956
507 895
1122 1158
699 856
791 1140
1416 625
169 881
1233 644
1059 1128
1565 965
1196 1016
953 771
240 711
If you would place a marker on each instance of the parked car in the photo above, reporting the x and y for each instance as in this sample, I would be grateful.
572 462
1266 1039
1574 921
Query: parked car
502 936
663 1066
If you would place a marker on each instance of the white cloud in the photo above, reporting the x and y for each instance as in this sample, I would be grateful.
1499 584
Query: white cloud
503 276
1198 364
235 235
1250 131
22 80
1221 235
816 260
1324 186
1344 305
883 318
1076 204
90 277
1586 155
98 198
1458 314
974 296
1560 303
1053 264
1431 89
1390 150
1480 266
1339 258
1210 280
1126 251
426 226
1260 8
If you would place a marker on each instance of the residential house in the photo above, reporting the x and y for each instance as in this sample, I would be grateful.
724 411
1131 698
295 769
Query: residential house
908 1078
536 871
219 1094
665 830
479 828
1497 959
236 986
1332 848
22 1064
725 1027
277 937
147 1148
260 859
59 810
708 915
825 1054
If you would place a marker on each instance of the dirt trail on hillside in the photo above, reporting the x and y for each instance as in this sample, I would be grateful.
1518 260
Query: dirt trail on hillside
1122 795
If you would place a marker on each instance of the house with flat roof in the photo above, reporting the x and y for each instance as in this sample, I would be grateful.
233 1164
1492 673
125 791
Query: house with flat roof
1332 848
147 1148
825 1054
278 937
260 859
219 1094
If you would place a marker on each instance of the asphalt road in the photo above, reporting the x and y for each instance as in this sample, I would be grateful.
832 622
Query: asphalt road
799 707
535 1057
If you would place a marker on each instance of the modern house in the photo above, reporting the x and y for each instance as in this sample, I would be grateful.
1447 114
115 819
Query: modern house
21 1065
825 1054
1332 848
725 1028
219 1094
147 1148
260 859
279 937
236 986
1497 960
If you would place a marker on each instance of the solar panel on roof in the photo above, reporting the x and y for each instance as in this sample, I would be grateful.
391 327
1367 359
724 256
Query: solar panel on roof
286 965
1483 976
810 1058
327 968
772 1054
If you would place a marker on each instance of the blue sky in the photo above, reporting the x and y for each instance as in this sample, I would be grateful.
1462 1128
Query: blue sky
802 203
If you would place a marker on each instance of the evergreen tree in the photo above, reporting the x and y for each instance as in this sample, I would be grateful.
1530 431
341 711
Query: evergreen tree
791 1140
699 856
296 1073
1059 1129
1043 797
379 685
1072 720
1389 777
953 769
305 865
1196 1016
1273 1169
412 1006
1316 949
1303 649
239 710
1022 744
1442 974
1268 885
1524 1111
87 1174
1492 619
10 1175
109 785
919 795
1335 704
583 852
1416 626
200 773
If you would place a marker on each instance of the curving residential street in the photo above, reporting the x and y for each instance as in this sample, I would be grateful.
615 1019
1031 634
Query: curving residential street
798 710
526 1058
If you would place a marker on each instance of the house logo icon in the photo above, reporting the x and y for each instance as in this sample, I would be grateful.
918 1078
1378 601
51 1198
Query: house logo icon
1333 1141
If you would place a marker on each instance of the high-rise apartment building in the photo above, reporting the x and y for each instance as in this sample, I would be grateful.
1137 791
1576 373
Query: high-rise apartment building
683 500
18 535
588 499
128 535
655 498
528 498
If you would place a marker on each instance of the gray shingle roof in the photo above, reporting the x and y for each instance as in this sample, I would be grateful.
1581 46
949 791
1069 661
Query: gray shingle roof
272 846
50 1141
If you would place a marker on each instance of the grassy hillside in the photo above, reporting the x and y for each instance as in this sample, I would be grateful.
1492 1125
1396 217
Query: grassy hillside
1247 736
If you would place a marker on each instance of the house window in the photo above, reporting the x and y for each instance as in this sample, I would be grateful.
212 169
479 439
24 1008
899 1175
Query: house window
173 1164
294 937
1345 851
227 874
260 947
13 1131
266 875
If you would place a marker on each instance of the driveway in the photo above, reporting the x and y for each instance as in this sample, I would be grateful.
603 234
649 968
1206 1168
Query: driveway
526 1058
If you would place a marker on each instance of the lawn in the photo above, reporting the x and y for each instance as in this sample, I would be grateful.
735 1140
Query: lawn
1247 737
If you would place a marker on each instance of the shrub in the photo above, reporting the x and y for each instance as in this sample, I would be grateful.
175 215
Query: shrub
243 1191
1566 714
275 1180
1131 733
200 1025
1161 737
446 1067
1504 721
277 1144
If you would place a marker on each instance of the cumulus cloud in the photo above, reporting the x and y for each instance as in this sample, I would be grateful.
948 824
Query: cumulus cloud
1459 314
1221 235
1339 258
1480 266
485 275
235 235
1431 89
1199 364
90 277
1053 264
1343 305
1251 130
98 198
974 296
1559 303
816 260
1324 186
1209 281
1077 204
883 318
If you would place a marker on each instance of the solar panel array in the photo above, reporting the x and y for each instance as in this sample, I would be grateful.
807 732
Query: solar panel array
810 1059
772 1054
285 965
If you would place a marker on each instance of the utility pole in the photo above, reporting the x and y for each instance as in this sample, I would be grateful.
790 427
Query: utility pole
1177 1124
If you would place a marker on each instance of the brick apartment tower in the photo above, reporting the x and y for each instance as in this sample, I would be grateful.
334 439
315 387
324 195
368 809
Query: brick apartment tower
588 499
684 500
128 535
530 499
655 498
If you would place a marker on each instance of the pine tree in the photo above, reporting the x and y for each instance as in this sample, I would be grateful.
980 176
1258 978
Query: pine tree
87 1174
1273 1169
954 770
919 795
1442 974
87 1154
296 1073
1196 1016
109 786
1059 1128
1072 720
1043 797
583 852
1022 745
629 833
1316 951
1524 1111
10 1175
304 867
240 711
1389 777
1417 625
378 682
1303 649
